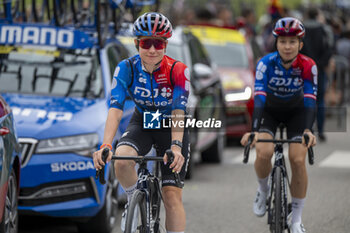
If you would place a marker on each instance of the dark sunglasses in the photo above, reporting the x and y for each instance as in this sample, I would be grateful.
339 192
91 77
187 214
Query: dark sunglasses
147 43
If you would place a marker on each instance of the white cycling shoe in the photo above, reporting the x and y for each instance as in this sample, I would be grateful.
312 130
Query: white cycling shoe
297 228
259 207
134 222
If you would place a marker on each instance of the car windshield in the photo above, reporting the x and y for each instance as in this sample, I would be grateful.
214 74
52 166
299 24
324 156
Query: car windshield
230 55
50 71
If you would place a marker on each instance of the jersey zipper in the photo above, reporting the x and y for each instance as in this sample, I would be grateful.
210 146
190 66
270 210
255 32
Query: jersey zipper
152 89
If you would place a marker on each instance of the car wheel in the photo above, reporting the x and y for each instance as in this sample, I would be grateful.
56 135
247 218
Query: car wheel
105 220
10 216
214 153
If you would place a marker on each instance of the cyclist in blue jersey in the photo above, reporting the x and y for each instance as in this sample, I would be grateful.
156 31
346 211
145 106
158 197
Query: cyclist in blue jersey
157 84
285 91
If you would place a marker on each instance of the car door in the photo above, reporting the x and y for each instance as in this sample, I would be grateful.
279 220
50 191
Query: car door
207 87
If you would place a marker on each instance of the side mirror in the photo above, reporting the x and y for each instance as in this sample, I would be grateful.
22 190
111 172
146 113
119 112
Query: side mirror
202 71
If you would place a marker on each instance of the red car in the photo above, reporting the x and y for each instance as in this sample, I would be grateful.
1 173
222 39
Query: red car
233 56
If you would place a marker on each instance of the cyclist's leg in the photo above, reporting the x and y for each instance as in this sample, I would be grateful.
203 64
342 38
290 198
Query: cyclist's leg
172 195
124 169
297 157
264 151
262 165
135 141
175 212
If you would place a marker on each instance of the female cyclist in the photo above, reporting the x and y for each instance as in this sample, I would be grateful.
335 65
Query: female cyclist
158 85
285 91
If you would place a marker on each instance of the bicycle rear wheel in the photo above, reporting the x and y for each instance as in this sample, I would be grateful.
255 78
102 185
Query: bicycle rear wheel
277 205
136 212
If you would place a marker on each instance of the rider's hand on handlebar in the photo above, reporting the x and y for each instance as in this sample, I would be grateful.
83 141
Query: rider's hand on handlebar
97 157
312 139
179 160
245 138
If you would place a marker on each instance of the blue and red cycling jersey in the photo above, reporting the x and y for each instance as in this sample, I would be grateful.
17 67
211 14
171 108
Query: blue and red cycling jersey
166 89
283 87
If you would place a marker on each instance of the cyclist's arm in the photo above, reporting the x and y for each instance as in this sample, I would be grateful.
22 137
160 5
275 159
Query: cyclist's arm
112 124
310 93
177 132
181 81
259 94
115 113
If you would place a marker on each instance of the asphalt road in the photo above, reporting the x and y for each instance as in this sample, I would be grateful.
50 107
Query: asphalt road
219 197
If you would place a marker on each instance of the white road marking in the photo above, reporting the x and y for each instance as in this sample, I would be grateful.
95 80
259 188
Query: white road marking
239 159
339 159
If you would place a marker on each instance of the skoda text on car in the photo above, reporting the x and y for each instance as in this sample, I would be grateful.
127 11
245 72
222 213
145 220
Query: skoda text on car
206 95
10 166
57 81
232 54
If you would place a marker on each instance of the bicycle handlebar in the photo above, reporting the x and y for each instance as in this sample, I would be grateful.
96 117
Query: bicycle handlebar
275 141
137 159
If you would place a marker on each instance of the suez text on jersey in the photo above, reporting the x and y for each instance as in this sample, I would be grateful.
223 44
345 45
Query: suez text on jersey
51 36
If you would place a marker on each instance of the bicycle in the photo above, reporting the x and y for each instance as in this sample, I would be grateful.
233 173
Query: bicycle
278 206
147 196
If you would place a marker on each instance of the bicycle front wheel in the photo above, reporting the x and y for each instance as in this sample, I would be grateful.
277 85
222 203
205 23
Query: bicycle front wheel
136 218
279 224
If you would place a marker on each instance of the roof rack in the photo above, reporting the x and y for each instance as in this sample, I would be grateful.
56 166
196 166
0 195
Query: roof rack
102 16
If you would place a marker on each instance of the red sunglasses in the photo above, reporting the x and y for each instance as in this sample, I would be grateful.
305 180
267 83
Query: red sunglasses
147 43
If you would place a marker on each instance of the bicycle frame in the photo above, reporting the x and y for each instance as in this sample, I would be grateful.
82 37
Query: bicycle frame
149 184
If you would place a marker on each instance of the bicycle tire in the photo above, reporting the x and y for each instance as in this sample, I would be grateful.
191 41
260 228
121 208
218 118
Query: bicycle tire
40 13
103 15
156 202
60 12
279 223
138 200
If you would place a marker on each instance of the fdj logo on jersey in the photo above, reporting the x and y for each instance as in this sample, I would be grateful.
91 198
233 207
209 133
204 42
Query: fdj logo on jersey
151 120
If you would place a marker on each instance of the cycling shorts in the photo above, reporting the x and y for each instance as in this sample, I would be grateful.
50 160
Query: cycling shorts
292 118
143 139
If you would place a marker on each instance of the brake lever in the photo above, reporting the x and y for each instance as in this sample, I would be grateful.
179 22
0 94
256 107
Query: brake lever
170 155
310 151
247 148
100 174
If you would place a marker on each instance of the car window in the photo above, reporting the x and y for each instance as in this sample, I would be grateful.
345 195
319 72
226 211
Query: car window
56 72
229 55
114 57
198 53
175 51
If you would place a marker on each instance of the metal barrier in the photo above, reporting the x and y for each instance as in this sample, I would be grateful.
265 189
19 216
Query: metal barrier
338 89
341 78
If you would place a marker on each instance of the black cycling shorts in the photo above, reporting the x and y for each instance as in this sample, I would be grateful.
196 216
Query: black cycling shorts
293 118
143 139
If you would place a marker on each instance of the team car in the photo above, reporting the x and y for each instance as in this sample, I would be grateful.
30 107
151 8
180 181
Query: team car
233 56
57 80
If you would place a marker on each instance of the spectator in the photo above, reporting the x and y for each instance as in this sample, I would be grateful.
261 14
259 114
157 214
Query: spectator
317 45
